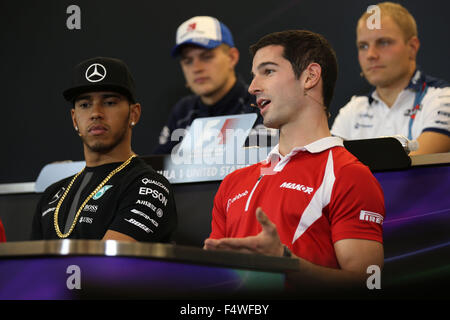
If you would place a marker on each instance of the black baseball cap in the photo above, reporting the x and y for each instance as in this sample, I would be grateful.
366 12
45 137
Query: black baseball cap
101 73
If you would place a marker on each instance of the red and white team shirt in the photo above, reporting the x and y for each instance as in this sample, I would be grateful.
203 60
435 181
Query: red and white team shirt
316 195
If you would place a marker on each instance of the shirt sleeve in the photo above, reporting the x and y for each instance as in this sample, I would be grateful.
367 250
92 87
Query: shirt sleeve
436 109
357 205
147 210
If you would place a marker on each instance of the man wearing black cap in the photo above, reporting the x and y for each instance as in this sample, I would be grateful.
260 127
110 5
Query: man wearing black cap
117 196
208 58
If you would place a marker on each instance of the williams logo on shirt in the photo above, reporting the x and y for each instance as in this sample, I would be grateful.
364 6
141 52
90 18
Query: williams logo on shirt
361 125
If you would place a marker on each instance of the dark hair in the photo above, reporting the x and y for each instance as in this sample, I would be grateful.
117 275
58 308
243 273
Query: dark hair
302 47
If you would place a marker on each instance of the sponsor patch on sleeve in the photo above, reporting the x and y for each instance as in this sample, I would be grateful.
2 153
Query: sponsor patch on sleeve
371 217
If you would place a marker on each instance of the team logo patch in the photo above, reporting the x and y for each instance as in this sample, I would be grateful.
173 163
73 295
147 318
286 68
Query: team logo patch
361 125
297 186
90 208
139 225
86 220
57 195
101 192
191 27
95 72
240 195
48 210
371 217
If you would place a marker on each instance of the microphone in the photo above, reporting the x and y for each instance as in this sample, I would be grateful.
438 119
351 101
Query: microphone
318 102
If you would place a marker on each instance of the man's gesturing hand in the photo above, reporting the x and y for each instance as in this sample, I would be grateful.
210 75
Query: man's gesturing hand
266 242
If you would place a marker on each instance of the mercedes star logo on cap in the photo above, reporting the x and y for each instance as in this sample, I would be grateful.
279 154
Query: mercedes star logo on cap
95 73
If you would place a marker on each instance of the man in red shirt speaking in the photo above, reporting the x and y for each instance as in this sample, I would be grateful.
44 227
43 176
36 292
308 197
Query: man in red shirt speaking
310 199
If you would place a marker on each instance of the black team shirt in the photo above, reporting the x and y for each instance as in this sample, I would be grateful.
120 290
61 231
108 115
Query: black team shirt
136 201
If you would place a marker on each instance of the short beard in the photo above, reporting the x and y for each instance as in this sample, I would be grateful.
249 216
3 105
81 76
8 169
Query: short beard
101 147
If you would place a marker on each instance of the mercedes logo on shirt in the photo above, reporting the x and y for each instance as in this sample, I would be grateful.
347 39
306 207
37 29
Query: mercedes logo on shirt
95 73
57 195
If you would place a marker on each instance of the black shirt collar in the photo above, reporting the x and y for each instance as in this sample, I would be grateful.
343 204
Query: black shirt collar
228 102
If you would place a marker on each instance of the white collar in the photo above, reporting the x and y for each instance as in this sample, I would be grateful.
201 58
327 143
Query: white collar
399 101
314 147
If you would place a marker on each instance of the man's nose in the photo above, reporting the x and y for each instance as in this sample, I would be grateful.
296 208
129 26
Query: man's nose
372 52
197 65
97 110
254 87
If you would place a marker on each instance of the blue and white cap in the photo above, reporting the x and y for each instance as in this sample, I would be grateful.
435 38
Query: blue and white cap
203 31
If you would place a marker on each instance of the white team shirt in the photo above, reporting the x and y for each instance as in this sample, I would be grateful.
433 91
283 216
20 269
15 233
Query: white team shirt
366 117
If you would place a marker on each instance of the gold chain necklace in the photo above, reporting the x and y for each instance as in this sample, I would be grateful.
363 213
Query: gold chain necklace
55 220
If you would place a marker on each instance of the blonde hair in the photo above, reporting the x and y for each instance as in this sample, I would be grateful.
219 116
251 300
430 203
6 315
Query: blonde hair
400 15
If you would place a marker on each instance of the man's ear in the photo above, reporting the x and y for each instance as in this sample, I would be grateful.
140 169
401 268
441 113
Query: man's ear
74 122
135 114
234 56
312 75
413 45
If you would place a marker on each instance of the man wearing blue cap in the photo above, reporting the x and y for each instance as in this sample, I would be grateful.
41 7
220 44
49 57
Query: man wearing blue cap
208 58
